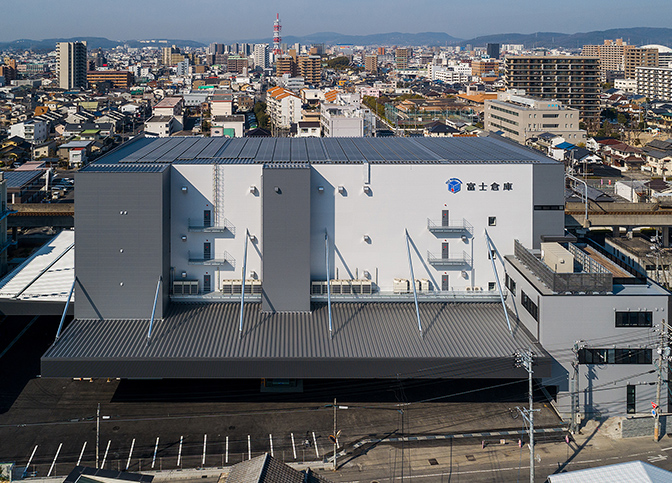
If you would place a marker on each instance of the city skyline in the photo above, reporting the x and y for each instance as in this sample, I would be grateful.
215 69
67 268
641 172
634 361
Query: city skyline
126 20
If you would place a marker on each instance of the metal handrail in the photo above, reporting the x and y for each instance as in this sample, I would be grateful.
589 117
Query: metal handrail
463 225
600 281
465 259
199 225
215 260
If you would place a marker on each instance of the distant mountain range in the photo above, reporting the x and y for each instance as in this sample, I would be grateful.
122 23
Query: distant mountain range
392 38
93 43
635 36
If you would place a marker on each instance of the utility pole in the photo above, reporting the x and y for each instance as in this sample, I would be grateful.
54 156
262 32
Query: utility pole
97 434
574 388
335 445
663 353
525 359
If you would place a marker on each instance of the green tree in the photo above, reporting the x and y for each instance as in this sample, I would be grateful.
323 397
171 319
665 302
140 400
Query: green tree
339 63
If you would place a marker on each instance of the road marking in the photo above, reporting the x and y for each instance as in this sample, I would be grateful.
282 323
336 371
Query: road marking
179 453
655 459
205 444
666 449
54 462
156 448
130 454
293 445
31 459
102 466
317 451
79 460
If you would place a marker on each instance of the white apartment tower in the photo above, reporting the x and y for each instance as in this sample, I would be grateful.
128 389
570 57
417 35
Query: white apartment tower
71 58
261 56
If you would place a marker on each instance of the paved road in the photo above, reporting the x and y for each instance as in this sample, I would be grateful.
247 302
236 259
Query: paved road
500 463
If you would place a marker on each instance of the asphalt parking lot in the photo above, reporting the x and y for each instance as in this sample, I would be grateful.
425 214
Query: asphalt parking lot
232 419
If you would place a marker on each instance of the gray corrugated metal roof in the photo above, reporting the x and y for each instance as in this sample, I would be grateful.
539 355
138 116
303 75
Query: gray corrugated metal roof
361 330
125 168
483 150
17 179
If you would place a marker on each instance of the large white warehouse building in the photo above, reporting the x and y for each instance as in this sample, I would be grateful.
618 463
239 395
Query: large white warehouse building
357 257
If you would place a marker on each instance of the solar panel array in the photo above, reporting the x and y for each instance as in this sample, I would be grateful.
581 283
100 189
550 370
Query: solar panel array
196 150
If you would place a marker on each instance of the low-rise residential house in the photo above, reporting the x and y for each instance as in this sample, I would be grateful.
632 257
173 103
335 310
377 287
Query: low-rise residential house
624 156
162 126
658 155
307 129
228 126
33 131
173 107
44 150
439 129
105 129
221 104
81 150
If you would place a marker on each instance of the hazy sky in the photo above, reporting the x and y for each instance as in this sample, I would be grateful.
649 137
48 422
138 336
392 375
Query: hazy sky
225 20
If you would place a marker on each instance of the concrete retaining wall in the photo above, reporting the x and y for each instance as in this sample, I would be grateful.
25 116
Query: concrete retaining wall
638 427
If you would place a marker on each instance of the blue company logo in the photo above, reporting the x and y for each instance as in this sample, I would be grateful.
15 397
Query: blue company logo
454 185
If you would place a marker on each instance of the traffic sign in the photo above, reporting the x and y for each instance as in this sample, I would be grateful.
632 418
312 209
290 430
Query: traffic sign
653 412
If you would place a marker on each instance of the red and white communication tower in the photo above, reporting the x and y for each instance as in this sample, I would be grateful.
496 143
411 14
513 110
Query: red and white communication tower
277 51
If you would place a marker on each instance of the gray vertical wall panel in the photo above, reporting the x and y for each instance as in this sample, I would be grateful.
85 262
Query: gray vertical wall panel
286 239
548 186
102 232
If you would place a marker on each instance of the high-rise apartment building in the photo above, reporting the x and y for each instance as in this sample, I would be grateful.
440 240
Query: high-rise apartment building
401 58
237 64
171 55
261 55
634 57
371 63
654 83
285 65
71 64
572 80
310 68
216 48
482 67
8 70
611 57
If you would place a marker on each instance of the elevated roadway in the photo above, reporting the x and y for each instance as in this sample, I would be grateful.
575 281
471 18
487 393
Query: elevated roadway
33 215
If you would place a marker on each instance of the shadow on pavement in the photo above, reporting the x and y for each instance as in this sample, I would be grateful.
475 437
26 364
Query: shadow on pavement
578 449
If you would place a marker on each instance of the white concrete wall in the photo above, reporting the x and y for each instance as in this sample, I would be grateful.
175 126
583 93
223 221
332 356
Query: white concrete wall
241 208
403 197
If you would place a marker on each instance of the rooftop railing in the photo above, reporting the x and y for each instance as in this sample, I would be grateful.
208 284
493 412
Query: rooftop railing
596 279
